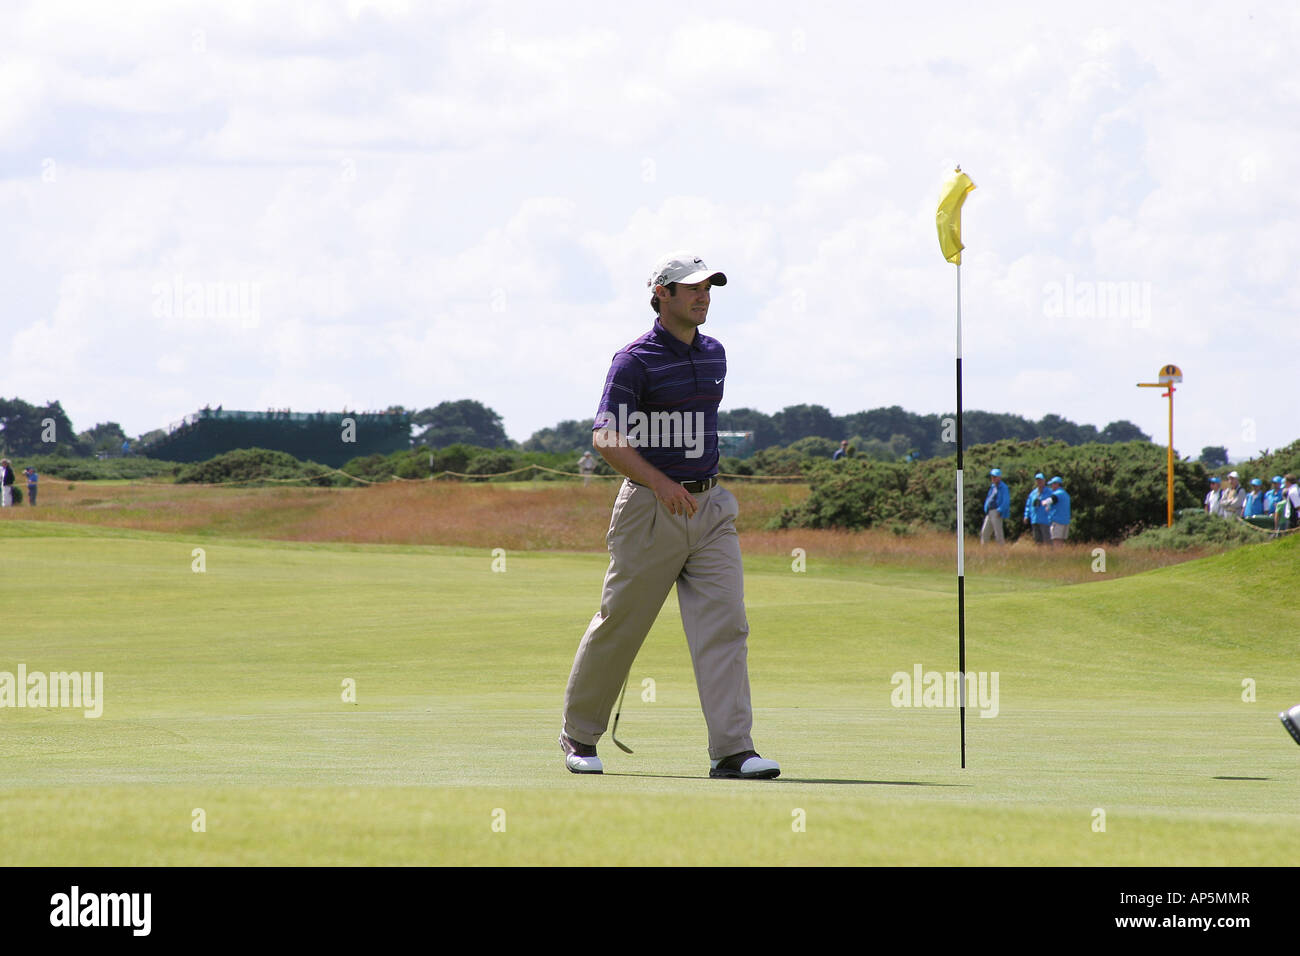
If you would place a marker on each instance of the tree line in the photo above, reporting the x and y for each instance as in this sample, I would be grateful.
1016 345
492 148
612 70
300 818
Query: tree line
880 434
30 430
27 429
883 434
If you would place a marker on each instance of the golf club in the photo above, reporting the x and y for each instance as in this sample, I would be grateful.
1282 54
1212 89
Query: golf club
1290 720
614 733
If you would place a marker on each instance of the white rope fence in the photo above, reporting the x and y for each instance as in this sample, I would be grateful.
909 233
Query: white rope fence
1272 532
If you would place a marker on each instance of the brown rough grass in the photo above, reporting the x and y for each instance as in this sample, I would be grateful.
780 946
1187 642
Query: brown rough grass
530 516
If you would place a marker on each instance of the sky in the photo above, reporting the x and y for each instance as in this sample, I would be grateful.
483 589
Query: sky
354 205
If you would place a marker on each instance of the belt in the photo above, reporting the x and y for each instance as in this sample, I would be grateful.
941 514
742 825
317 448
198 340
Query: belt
695 487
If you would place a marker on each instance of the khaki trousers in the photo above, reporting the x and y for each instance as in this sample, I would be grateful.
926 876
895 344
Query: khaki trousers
992 519
650 550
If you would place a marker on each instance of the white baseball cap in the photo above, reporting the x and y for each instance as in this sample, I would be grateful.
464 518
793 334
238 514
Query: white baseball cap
683 267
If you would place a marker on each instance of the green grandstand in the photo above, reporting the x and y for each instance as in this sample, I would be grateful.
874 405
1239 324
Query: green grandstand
330 438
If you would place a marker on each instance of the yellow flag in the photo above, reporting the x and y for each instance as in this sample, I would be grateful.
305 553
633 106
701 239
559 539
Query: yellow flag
949 215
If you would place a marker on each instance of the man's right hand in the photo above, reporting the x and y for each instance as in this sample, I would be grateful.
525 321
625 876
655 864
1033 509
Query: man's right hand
627 461
676 498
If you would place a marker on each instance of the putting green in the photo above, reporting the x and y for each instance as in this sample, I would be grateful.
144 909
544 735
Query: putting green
228 735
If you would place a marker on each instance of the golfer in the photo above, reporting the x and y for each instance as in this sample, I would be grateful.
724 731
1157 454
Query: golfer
657 425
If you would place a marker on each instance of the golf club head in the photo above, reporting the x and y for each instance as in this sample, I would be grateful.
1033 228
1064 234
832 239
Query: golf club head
1291 721
613 734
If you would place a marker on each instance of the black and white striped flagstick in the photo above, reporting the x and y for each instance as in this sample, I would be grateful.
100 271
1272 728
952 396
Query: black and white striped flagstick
948 219
961 543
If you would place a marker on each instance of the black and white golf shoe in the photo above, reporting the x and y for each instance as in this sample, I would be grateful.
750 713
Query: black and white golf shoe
744 766
580 758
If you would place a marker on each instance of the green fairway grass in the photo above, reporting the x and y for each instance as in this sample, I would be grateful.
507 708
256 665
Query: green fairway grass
224 704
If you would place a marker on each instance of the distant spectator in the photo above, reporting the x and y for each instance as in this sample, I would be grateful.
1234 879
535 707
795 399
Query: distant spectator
1291 510
586 465
6 483
1273 500
842 451
32 478
1232 498
1037 518
1057 501
1212 497
1253 507
997 507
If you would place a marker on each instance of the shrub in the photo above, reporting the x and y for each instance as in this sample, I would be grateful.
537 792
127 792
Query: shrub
255 464
1115 489
735 466
776 460
849 493
1196 529
495 463
411 464
370 467
89 469
815 446
456 457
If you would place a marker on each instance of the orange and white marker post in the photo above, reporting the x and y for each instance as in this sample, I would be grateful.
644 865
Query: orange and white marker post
1168 375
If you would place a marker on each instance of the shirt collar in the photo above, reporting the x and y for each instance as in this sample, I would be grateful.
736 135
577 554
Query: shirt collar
676 345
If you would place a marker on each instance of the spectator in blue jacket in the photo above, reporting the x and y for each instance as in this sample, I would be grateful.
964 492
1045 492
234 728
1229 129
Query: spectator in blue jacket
1253 506
1273 498
1058 504
997 507
1037 518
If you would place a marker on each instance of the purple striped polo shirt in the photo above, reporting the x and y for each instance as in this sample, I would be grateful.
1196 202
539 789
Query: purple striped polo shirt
663 395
